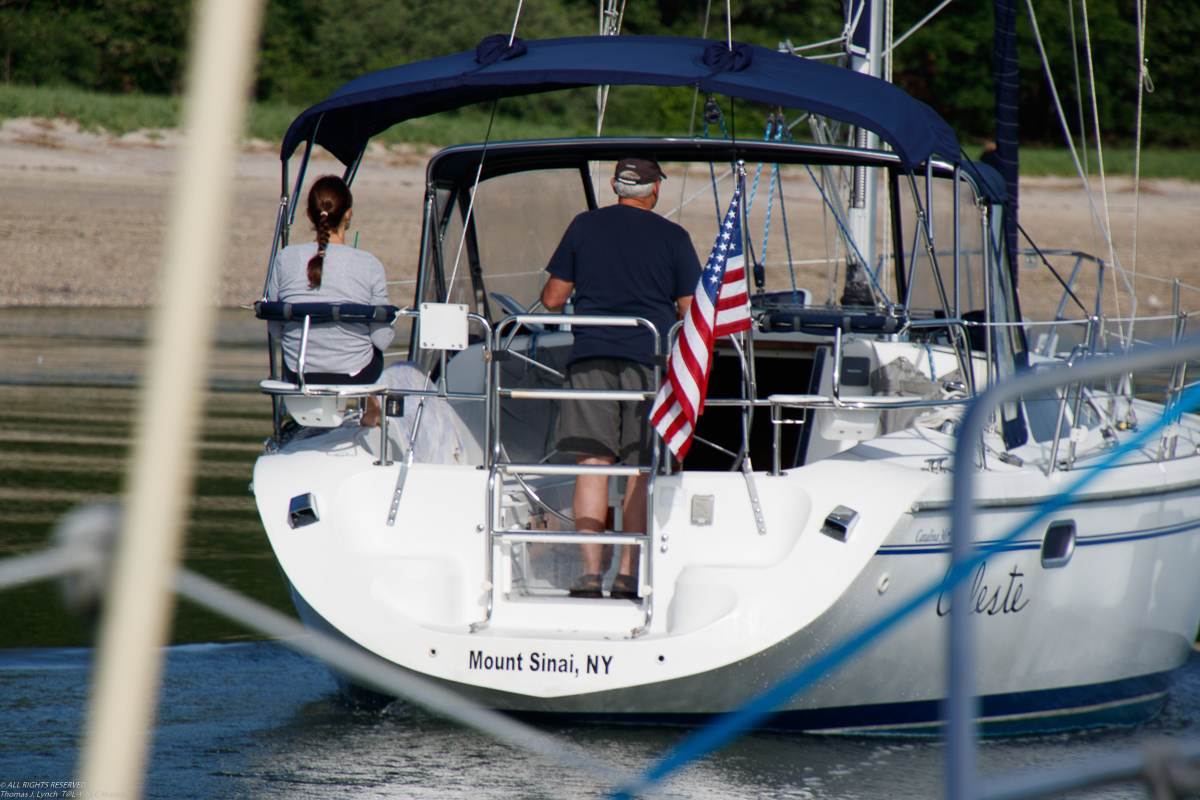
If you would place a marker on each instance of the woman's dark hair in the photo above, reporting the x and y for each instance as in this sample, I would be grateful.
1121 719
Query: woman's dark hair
328 201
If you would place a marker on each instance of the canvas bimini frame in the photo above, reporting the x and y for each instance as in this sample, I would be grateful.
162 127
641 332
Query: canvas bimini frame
509 66
453 168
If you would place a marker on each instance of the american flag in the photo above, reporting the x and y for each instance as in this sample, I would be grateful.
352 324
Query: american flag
721 306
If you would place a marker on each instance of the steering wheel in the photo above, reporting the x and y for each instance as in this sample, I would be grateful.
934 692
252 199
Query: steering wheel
513 307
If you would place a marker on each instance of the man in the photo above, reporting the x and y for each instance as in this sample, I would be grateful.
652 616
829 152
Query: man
617 260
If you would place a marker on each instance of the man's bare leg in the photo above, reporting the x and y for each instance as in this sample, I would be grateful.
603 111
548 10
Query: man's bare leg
591 509
634 515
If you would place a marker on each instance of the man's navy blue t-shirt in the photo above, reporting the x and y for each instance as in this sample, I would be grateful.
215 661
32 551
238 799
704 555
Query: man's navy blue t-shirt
625 261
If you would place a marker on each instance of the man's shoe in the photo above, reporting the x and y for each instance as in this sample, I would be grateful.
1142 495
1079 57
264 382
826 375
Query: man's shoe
624 588
589 585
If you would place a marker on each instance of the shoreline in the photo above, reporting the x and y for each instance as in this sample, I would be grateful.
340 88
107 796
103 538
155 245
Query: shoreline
83 220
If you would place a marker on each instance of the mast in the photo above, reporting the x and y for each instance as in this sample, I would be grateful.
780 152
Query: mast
1004 69
865 49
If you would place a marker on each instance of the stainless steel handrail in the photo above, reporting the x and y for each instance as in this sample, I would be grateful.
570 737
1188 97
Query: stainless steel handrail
1078 350
807 402
882 402
493 444
966 362
574 394
570 537
357 390
328 390
572 469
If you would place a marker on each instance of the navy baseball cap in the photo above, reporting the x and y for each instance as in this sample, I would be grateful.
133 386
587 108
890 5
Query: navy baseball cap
638 171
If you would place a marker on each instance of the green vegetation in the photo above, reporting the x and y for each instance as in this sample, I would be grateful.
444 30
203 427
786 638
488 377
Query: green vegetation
116 113
948 65
136 48
107 45
125 113
632 110
1156 163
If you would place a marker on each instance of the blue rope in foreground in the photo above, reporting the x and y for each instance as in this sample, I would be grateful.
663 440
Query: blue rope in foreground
731 725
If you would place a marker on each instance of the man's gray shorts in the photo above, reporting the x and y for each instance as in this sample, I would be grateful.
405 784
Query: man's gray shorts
616 428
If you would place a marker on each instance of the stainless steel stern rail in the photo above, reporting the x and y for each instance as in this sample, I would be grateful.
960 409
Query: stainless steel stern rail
961 780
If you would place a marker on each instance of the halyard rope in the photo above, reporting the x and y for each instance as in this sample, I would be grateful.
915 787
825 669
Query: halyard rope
1079 109
1112 255
1144 85
1037 36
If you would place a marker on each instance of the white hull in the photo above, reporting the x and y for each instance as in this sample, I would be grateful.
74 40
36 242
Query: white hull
1090 642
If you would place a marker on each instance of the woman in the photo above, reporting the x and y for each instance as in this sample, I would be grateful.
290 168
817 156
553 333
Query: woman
327 271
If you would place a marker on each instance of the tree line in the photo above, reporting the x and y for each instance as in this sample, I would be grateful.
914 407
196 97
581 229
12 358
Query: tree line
310 47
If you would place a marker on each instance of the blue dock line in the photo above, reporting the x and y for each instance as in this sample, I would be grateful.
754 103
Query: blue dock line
731 725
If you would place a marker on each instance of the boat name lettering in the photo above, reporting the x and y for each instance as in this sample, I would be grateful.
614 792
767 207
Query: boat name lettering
983 603
539 662
933 536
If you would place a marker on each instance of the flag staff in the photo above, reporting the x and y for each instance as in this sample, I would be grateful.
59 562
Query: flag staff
749 378
720 308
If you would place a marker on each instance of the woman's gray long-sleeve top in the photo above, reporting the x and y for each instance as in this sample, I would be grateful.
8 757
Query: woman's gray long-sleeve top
348 276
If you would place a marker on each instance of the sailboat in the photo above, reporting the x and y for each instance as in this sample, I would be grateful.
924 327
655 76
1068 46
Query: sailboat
816 496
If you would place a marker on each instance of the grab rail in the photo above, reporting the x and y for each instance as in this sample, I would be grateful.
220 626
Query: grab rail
805 402
572 469
569 537
358 313
499 467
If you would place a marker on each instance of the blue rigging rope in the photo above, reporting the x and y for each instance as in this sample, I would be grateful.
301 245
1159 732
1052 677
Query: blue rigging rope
759 270
770 202
757 172
712 113
729 726
781 121
849 238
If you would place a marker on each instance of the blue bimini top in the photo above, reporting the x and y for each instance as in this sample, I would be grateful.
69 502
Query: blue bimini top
366 106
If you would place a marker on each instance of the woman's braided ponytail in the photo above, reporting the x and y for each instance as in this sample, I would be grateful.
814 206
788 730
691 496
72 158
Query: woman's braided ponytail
328 201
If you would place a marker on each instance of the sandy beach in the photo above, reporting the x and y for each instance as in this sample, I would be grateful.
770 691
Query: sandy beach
82 219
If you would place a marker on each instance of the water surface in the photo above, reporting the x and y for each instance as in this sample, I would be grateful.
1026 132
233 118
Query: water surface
255 720
241 718
68 392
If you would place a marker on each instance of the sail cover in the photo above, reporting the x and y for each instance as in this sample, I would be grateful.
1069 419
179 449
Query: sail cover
366 106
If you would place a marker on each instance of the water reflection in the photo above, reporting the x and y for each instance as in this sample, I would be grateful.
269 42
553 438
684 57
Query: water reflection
68 394
255 720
